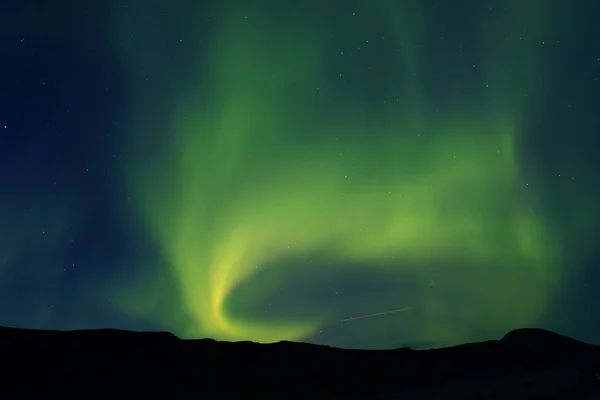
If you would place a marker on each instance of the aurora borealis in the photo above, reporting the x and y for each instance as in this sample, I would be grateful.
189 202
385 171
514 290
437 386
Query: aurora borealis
261 170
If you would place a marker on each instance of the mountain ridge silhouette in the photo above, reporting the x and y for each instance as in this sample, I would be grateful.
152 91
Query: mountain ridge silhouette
114 362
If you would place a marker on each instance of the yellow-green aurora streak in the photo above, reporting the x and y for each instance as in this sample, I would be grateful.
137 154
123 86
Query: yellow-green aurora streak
255 172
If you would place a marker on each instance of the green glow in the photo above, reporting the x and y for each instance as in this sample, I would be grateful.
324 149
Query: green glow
257 171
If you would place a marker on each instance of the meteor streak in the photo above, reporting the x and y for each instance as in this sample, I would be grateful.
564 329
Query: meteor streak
377 314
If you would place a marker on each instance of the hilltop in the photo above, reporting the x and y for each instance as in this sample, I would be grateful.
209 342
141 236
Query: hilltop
525 363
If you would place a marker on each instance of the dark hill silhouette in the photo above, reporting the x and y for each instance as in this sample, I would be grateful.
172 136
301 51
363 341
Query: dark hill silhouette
526 363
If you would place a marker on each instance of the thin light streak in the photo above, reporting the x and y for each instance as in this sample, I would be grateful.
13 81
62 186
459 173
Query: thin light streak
377 314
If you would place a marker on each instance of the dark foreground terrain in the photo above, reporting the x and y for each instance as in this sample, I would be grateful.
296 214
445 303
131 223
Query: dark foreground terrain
524 364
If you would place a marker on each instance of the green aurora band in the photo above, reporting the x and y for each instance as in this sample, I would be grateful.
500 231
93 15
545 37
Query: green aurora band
256 161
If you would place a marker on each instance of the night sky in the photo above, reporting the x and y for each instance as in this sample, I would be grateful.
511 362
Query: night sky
262 170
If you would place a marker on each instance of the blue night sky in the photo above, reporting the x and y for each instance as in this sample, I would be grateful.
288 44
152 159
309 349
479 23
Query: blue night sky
367 174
